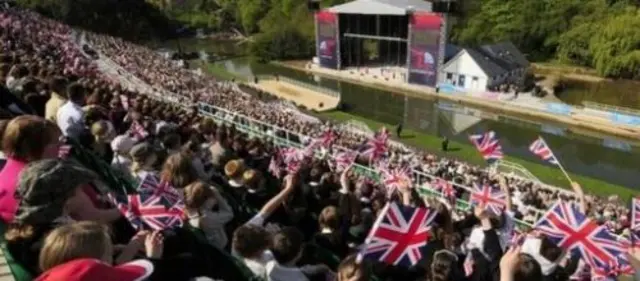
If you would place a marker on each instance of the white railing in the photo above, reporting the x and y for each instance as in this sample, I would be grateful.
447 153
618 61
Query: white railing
282 136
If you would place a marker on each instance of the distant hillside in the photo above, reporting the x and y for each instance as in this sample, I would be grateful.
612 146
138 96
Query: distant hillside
130 19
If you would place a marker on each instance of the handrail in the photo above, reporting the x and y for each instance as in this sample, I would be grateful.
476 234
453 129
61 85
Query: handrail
419 177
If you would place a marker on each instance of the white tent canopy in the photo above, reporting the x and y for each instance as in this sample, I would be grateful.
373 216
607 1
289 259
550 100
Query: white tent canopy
382 7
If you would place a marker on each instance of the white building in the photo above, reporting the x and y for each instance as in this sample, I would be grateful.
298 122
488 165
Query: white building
484 67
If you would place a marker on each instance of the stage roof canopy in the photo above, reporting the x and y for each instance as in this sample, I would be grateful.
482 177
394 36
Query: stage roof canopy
382 7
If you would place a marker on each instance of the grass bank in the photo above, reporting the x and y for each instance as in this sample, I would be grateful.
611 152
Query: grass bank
218 71
465 151
468 153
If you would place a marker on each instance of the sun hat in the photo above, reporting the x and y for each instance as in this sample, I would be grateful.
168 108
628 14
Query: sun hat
93 269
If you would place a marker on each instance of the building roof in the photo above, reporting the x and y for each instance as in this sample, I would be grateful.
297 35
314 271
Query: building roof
493 59
382 7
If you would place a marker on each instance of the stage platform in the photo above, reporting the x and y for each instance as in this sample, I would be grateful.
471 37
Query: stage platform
312 99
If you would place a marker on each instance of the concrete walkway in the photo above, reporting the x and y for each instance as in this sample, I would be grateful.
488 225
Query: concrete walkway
298 95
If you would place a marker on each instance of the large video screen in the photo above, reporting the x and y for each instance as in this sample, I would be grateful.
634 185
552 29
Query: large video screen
327 40
425 48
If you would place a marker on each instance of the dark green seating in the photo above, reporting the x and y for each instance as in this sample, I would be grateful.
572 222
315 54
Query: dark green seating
18 272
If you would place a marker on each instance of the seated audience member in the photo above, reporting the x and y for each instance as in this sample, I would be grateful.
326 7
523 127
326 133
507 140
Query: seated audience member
121 146
103 133
58 98
83 251
200 200
70 116
287 249
330 236
50 193
178 171
144 157
516 266
234 170
251 244
19 148
255 193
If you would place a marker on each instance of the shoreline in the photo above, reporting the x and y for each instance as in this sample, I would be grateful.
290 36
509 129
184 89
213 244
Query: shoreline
495 106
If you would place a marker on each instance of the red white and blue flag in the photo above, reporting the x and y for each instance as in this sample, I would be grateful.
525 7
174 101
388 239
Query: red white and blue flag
377 147
445 187
488 145
138 130
274 166
573 231
292 158
395 178
539 147
150 213
635 214
327 138
493 199
398 235
152 187
343 160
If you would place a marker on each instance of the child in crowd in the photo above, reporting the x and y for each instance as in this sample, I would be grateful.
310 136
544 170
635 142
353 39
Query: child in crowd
200 200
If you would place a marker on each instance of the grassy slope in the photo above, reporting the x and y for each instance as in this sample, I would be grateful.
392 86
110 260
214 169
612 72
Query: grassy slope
466 152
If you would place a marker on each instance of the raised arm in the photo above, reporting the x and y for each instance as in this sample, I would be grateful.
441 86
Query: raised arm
275 202
580 196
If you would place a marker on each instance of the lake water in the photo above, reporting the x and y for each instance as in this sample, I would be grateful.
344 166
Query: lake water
608 158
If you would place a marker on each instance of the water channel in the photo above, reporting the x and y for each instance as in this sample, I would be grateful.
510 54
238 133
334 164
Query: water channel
592 154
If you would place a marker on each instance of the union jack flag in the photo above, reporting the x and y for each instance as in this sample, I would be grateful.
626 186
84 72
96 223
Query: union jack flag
539 147
292 158
144 213
488 145
493 199
63 151
395 178
274 167
610 271
635 214
138 130
398 235
377 146
328 137
153 187
445 187
342 160
571 230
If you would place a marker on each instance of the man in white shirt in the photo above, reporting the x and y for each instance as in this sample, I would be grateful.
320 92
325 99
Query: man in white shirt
70 117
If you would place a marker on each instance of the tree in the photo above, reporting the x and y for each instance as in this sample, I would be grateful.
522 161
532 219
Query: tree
616 46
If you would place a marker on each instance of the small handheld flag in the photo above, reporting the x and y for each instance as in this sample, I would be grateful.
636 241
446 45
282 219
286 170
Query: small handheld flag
488 145
398 235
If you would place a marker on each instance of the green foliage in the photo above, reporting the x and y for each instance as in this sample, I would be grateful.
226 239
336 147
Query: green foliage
602 34
133 19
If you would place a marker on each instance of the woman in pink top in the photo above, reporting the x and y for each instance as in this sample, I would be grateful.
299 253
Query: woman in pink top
25 139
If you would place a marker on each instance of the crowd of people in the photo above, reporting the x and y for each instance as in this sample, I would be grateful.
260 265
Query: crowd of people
62 225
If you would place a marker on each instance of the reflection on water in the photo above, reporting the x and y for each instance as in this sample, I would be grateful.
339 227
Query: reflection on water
623 93
607 158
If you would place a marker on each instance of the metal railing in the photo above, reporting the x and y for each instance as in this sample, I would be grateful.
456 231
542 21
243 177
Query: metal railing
285 137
